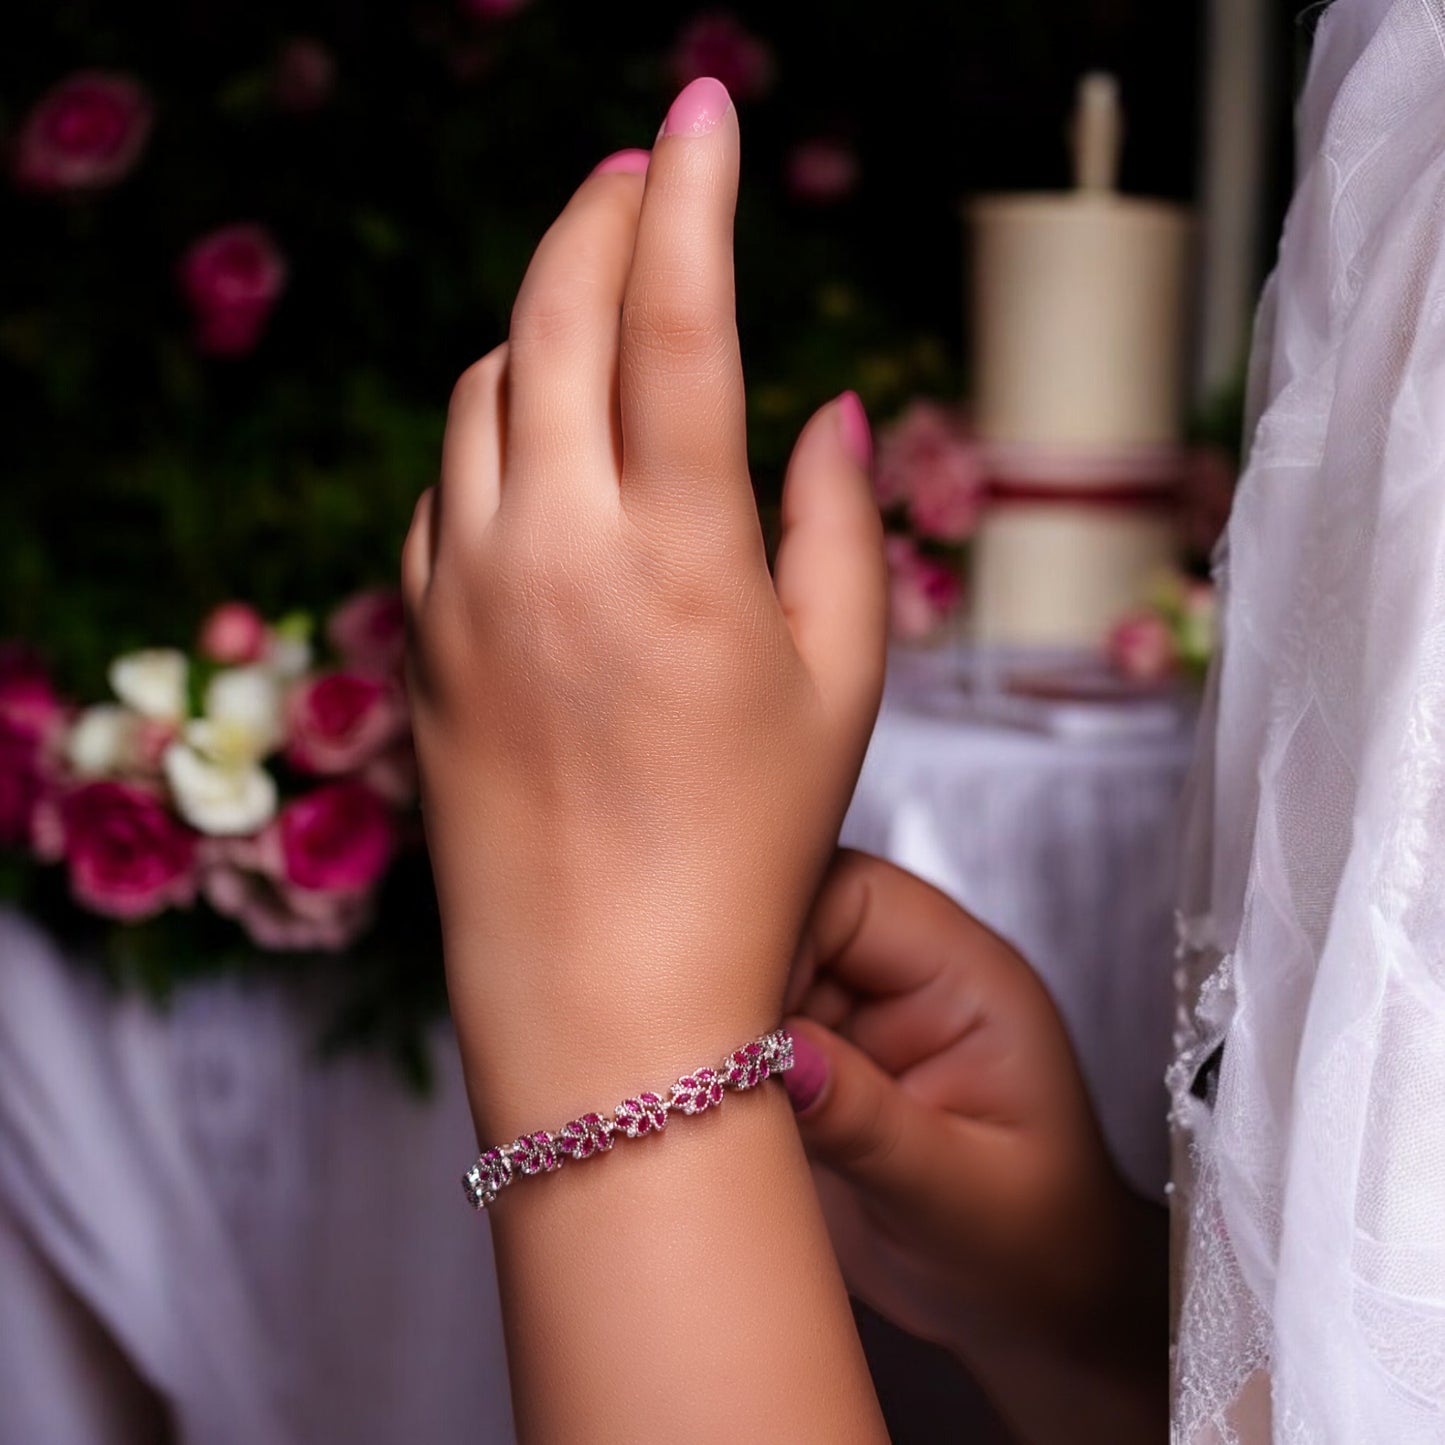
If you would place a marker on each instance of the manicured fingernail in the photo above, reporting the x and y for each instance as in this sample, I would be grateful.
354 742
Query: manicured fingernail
630 162
698 109
805 1080
857 434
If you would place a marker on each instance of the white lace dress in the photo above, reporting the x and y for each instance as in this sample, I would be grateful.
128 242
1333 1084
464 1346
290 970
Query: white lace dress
1310 1148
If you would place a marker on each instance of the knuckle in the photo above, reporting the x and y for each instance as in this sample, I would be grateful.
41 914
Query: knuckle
671 327
478 381
554 316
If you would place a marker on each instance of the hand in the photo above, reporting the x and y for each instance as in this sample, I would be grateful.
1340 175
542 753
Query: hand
636 746
967 1188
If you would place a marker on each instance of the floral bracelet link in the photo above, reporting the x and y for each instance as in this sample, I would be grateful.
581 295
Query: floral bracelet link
592 1134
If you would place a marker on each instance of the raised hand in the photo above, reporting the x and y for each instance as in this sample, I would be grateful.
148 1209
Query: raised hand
967 1188
636 748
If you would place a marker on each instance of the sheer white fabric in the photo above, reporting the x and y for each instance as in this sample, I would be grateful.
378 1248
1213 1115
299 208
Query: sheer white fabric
1312 937
277 1251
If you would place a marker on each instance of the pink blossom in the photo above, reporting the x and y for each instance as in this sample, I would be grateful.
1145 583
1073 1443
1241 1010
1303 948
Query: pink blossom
340 721
244 879
20 787
821 171
31 720
716 44
1142 648
305 75
368 632
922 591
928 462
232 634
231 278
337 838
85 133
128 855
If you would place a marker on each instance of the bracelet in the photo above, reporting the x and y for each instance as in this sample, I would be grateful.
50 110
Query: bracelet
643 1114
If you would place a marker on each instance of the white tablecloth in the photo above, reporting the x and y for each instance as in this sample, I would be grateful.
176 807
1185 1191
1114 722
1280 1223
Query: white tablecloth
1068 848
281 1251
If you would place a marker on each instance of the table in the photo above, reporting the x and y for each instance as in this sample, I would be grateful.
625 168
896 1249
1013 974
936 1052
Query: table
1066 847
280 1252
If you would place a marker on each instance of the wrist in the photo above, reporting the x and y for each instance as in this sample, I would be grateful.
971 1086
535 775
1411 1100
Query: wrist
577 1034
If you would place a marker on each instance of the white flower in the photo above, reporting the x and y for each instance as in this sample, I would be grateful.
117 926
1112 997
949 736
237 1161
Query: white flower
221 799
243 719
101 742
152 682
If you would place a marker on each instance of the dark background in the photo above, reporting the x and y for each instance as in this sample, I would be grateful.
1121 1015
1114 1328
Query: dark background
144 482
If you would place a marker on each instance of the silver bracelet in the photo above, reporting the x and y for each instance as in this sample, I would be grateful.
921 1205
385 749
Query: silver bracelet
643 1114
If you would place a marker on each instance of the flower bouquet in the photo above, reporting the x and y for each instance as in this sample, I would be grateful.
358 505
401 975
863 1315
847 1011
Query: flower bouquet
232 806
930 481
1173 637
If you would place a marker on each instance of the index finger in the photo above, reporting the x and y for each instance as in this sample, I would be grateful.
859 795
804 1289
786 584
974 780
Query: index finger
896 966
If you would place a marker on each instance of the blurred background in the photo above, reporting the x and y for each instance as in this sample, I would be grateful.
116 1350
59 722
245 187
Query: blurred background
400 161
250 246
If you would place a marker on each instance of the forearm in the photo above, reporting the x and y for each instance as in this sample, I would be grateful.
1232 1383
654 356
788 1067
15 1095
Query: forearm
682 1288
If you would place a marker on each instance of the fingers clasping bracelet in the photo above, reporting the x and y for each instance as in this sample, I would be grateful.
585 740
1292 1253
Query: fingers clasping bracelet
646 1113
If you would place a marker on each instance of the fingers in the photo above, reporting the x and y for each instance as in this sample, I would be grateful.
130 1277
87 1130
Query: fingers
862 1125
683 427
563 365
831 577
897 966
471 471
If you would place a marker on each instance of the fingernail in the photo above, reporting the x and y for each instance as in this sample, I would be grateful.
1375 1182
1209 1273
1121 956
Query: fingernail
857 434
805 1080
629 162
698 109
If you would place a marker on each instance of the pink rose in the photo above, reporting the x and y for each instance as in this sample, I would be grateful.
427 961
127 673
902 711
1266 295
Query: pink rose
340 721
368 632
922 591
716 44
23 780
928 462
245 879
821 171
305 75
31 720
84 134
232 634
231 279
1142 648
128 855
337 838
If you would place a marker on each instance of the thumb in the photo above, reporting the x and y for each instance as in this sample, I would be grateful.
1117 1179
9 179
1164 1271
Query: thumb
830 574
858 1120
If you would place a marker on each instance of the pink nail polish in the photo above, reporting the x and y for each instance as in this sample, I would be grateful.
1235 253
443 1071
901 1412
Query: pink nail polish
805 1080
698 109
857 434
629 162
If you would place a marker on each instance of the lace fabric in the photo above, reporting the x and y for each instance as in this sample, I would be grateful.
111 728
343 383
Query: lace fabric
1310 1175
